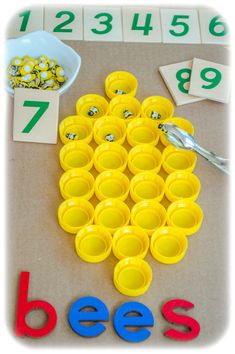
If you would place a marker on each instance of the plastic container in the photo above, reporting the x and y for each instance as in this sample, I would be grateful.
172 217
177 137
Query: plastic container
76 155
168 245
75 128
74 214
181 123
93 243
110 157
120 83
157 108
174 159
182 185
112 184
147 185
112 214
77 183
109 129
142 131
185 215
148 215
132 276
125 107
130 241
144 158
92 106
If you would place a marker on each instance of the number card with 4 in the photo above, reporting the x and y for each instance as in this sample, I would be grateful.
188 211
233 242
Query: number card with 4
35 116
214 29
210 80
26 21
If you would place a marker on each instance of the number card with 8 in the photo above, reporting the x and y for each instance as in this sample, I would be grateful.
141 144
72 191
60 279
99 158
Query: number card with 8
214 29
28 20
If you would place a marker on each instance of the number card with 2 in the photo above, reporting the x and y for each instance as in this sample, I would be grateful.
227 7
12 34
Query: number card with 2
35 116
214 29
26 21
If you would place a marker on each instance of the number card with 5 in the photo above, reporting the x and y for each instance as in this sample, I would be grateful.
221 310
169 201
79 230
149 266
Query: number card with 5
35 116
214 29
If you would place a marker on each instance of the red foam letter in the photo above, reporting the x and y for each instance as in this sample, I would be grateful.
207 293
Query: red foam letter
192 325
23 307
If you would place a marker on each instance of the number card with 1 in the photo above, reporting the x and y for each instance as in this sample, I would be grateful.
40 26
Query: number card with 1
214 29
102 24
180 26
35 116
28 20
210 80
177 78
141 24
64 22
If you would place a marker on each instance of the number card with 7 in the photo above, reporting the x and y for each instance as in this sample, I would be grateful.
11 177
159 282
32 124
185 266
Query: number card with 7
35 116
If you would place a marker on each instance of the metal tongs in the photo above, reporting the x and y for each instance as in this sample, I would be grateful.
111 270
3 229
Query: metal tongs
183 140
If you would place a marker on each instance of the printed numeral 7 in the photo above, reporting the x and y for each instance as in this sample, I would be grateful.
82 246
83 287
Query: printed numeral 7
42 107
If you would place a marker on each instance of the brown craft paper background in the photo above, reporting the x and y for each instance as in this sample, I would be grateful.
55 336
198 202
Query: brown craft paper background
37 244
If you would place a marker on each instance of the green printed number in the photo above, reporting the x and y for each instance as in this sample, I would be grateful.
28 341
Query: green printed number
70 19
42 107
176 22
220 31
106 22
214 80
146 28
25 20
183 79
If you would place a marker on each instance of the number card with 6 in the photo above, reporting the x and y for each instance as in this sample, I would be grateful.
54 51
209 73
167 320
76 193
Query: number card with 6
28 20
214 29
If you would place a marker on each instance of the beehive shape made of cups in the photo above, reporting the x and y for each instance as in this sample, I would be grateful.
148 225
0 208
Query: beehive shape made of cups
120 83
157 108
148 215
125 107
130 241
142 131
74 214
112 214
182 185
185 215
110 156
92 106
109 129
147 185
93 243
168 245
76 155
77 183
75 128
132 276
181 123
144 157
174 159
112 184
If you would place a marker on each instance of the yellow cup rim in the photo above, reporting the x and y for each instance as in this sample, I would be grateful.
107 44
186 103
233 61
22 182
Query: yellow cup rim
187 177
93 99
117 76
76 146
144 148
112 174
116 121
144 123
125 99
71 174
146 176
75 120
176 120
191 156
116 148
155 99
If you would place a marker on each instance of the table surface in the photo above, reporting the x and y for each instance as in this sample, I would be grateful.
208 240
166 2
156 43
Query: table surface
37 244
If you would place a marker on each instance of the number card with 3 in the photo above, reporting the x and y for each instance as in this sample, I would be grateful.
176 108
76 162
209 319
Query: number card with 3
180 26
35 116
214 29
210 80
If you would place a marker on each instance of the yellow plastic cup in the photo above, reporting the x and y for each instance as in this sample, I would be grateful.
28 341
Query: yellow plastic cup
74 214
132 276
76 155
144 158
185 215
149 215
112 214
77 183
174 159
157 108
120 83
112 184
75 128
168 245
109 129
142 131
125 107
182 185
93 243
92 106
110 157
181 123
147 185
130 241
